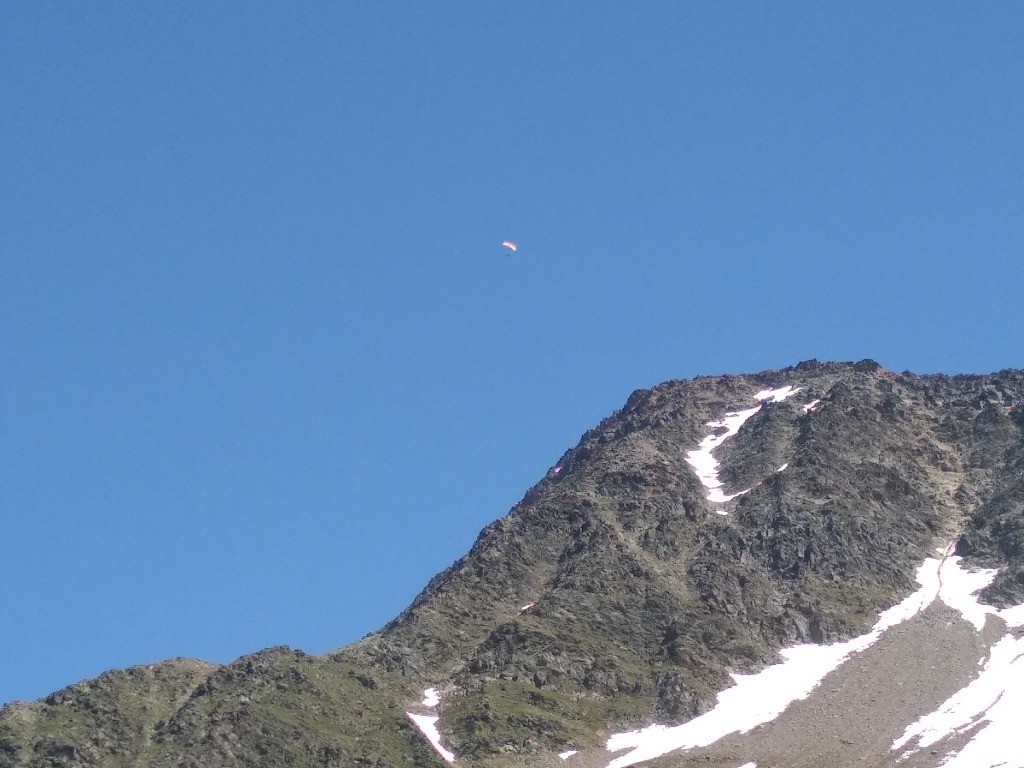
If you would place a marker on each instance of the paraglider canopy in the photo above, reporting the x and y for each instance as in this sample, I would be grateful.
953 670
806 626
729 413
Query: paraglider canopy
510 245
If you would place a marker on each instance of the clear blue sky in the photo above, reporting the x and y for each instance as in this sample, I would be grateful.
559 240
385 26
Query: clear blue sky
264 365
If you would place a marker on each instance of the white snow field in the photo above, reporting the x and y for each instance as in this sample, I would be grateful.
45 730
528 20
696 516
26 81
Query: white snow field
777 395
759 698
431 698
428 724
428 727
992 704
995 697
705 465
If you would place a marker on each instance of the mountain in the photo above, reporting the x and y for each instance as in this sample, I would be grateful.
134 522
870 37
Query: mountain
867 524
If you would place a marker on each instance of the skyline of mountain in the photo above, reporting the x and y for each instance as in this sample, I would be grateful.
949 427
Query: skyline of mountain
692 536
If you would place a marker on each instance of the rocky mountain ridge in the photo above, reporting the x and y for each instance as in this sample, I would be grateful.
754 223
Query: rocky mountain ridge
616 594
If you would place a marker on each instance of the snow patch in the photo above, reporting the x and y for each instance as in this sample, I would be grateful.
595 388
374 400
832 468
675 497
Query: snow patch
811 405
431 698
993 700
567 754
783 467
527 607
757 699
705 465
990 705
428 727
777 395
1014 617
958 589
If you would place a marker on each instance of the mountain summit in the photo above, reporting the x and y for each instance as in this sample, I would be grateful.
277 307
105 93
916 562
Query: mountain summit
822 565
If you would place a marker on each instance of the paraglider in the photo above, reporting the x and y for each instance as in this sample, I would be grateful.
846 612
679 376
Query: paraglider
511 246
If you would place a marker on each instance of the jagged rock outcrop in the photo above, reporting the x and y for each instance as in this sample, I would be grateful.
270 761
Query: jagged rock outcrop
643 595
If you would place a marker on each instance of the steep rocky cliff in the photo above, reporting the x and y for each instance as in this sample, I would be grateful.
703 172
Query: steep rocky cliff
618 592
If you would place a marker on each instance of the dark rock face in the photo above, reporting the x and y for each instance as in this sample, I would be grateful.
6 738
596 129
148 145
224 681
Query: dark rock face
642 594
